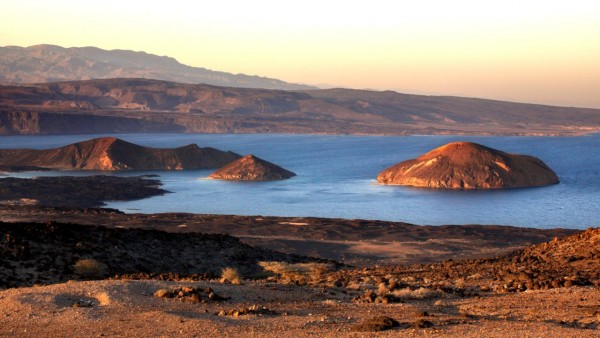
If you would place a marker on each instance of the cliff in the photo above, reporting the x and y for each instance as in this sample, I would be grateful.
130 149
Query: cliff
142 105
465 165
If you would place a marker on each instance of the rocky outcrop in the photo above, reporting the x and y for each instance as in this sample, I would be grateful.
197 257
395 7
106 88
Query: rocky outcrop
109 153
465 165
252 168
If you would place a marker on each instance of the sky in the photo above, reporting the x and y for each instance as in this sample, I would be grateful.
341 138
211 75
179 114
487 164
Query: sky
527 51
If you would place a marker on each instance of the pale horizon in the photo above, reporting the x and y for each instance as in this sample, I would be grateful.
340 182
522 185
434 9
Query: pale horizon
542 52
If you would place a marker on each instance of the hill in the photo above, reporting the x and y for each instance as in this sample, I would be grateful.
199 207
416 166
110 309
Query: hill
466 165
109 153
252 168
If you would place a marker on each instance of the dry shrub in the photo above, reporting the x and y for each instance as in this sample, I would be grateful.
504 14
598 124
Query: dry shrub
300 273
420 293
460 283
103 298
383 289
353 285
231 275
90 268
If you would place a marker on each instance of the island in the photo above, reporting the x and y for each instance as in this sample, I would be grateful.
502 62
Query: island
110 153
252 168
466 165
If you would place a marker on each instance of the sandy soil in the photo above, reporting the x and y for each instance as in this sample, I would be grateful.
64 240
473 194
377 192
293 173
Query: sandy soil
128 308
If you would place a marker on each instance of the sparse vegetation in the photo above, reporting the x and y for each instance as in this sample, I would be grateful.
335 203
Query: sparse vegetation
230 275
420 293
90 268
299 273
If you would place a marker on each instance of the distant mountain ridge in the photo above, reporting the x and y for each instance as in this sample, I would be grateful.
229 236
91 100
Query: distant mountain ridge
143 105
50 63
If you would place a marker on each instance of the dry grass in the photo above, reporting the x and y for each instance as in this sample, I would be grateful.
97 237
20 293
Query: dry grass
231 275
103 298
90 268
420 293
299 273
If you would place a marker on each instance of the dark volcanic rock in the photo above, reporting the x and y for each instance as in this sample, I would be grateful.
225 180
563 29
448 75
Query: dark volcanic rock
563 262
252 168
375 324
33 253
109 153
69 191
465 165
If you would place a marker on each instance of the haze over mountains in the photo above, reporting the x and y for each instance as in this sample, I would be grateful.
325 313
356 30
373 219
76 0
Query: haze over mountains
142 105
50 63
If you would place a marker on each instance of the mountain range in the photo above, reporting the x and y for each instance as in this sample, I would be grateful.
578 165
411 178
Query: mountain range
50 63
143 105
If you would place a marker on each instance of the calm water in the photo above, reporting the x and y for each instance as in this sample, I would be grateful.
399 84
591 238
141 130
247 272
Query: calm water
336 178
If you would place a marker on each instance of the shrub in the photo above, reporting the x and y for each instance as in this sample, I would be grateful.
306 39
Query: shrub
420 293
231 275
90 268
300 273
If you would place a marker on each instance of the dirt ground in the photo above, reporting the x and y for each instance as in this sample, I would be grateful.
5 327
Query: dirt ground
551 289
128 308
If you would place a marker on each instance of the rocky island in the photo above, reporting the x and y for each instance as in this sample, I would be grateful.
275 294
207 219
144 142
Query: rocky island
252 168
466 165
109 153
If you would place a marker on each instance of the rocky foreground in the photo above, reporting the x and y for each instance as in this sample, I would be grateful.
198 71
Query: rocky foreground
550 289
34 253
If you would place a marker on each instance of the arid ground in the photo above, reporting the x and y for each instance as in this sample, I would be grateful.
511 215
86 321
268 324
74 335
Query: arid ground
470 280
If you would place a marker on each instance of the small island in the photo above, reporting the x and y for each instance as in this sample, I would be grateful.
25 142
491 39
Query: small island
252 168
466 165
110 153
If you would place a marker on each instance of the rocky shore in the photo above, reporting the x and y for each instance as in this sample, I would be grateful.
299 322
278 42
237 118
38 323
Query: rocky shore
76 191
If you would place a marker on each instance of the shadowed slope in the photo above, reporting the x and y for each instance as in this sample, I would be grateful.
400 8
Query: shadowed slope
465 165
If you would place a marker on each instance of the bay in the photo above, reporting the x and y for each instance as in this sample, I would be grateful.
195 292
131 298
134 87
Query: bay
336 178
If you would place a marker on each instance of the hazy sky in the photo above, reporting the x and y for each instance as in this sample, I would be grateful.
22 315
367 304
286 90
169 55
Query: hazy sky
527 50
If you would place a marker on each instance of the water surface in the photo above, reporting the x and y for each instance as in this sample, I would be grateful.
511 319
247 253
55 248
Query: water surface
336 178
